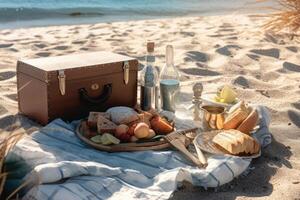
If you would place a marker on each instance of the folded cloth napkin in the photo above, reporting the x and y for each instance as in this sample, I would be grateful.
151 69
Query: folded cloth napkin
63 167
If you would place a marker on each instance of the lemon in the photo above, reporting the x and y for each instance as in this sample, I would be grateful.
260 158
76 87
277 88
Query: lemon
217 99
97 139
108 139
228 94
222 101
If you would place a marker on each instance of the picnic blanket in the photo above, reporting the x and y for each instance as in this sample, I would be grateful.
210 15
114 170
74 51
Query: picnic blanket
60 166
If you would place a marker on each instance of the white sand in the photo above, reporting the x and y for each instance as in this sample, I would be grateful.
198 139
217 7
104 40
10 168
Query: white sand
263 67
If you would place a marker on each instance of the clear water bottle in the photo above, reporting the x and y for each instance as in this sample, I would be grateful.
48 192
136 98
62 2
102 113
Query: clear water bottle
169 82
149 81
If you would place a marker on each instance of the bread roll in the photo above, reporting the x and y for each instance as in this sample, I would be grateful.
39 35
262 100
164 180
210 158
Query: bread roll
235 119
249 123
235 142
122 115
141 130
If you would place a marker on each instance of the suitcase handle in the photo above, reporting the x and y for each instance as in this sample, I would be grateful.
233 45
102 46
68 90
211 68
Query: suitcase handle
84 96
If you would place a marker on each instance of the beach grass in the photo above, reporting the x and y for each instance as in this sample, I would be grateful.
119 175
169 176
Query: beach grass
8 141
285 18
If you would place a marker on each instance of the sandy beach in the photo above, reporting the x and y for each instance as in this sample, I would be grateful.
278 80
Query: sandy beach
263 67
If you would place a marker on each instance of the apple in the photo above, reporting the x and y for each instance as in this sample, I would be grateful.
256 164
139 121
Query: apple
121 129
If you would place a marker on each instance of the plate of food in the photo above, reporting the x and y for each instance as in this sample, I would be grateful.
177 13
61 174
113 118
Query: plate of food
228 142
235 138
225 96
125 129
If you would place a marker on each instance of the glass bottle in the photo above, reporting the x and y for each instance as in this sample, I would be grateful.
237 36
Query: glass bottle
169 82
149 81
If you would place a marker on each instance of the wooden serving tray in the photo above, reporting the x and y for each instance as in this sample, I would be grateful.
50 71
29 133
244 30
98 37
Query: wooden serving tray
123 147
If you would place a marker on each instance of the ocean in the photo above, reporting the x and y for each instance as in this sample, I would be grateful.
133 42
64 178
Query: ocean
28 13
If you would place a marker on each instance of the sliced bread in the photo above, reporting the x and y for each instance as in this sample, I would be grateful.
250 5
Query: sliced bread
235 142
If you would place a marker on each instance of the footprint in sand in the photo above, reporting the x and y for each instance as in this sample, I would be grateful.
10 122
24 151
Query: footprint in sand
228 50
296 105
13 97
232 38
40 45
3 110
43 54
273 52
292 49
291 67
38 36
187 34
13 50
294 117
196 56
7 75
223 35
84 49
270 38
253 57
199 72
5 45
242 81
226 30
62 47
226 25
79 42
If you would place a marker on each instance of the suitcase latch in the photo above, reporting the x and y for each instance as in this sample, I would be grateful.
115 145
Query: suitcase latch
126 69
62 81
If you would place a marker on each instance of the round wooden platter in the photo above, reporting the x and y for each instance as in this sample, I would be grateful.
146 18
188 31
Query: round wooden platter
122 147
204 141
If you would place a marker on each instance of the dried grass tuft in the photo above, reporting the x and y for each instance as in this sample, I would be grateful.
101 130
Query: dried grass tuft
6 144
286 17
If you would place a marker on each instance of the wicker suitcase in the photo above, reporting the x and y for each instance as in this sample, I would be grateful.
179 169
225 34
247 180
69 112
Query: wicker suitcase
71 86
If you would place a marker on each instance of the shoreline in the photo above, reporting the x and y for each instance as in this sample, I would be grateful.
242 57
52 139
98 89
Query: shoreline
83 19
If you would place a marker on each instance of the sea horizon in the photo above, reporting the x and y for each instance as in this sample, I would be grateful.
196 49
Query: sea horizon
36 13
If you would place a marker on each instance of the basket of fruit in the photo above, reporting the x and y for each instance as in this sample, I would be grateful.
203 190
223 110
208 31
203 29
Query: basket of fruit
125 129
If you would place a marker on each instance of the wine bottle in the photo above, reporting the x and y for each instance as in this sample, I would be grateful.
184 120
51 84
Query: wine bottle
169 82
148 81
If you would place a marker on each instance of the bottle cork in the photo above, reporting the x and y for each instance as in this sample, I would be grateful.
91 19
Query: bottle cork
150 47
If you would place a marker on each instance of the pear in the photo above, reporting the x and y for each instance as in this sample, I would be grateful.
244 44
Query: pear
97 139
108 139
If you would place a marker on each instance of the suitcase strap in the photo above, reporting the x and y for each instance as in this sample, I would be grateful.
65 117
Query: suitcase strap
94 101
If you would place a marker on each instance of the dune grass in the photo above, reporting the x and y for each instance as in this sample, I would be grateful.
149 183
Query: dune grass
7 141
286 17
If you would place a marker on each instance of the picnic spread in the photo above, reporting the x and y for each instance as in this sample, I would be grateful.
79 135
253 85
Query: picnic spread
100 141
